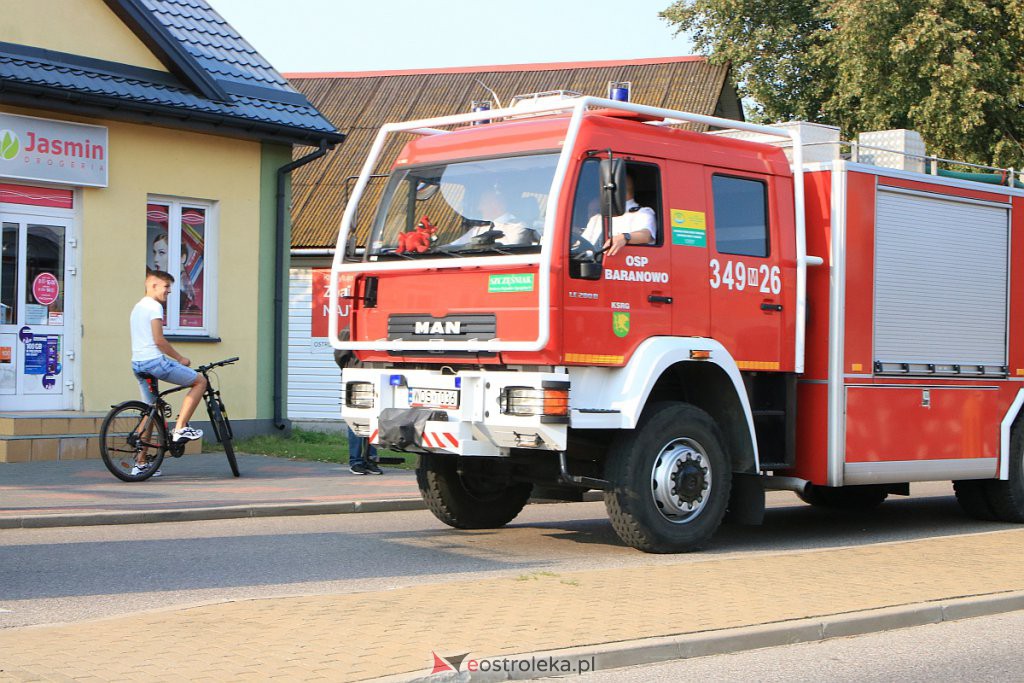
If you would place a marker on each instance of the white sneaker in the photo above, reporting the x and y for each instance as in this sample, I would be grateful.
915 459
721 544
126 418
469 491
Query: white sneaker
186 434
139 469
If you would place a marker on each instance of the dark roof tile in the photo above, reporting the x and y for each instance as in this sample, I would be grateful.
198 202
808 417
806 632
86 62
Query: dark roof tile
196 34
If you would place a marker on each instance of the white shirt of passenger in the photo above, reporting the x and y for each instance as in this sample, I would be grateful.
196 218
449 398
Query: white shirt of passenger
143 345
636 218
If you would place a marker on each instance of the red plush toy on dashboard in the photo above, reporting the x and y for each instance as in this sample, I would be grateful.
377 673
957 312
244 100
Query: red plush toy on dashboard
418 240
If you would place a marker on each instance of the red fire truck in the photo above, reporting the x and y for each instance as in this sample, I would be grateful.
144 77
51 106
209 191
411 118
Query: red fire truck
835 328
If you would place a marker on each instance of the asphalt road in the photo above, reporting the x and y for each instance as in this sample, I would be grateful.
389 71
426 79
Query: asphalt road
976 650
70 574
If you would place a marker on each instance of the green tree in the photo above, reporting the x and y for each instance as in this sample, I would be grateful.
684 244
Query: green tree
951 69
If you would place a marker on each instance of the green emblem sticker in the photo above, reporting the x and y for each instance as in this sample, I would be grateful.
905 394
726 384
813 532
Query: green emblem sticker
620 323
503 284
689 228
9 145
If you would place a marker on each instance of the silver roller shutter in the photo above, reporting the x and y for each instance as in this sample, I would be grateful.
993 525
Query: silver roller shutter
940 284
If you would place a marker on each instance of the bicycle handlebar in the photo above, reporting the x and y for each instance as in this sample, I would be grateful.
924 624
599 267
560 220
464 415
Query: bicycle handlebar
211 366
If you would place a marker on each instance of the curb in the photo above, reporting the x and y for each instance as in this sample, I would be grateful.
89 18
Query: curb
207 513
222 512
669 648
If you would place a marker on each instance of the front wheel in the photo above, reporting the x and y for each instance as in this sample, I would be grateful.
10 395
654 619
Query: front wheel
222 430
468 501
670 480
132 441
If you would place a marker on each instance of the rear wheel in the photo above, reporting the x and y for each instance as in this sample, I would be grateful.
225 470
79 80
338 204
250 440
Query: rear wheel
1006 498
670 480
468 501
844 497
222 430
130 436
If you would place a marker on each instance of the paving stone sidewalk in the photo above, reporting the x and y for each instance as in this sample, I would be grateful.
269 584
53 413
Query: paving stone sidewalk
310 638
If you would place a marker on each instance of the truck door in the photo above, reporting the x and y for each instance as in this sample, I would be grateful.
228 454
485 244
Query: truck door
752 282
607 318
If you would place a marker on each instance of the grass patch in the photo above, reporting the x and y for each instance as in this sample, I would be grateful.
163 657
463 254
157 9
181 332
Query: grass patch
304 445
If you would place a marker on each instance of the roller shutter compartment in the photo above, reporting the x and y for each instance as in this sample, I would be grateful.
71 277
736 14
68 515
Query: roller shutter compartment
940 299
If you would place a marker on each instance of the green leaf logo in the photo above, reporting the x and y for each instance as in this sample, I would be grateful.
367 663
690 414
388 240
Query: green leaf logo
9 145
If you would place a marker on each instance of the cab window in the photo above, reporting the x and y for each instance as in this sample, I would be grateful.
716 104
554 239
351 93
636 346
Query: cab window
741 216
586 212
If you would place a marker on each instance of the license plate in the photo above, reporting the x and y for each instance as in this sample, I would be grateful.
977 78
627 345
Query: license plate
434 398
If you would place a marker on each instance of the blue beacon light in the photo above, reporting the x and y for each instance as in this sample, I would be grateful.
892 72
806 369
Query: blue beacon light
397 380
619 90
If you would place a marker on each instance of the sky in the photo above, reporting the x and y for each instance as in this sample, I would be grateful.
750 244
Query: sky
361 35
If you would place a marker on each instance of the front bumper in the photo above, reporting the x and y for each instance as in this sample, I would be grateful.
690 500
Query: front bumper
479 425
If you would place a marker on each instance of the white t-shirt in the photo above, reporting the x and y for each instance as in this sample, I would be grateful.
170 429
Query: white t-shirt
636 218
516 233
143 345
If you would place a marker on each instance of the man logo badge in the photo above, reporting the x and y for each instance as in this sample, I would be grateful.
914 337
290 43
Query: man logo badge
446 327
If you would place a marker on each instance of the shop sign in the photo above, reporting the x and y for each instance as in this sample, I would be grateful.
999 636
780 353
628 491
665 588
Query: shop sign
55 151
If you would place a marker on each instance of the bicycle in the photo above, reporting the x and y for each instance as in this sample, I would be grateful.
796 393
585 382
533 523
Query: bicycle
128 429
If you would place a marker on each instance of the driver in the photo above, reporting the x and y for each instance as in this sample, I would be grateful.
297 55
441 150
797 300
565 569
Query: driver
493 209
636 226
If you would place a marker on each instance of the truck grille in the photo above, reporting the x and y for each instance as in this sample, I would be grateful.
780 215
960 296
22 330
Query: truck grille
411 326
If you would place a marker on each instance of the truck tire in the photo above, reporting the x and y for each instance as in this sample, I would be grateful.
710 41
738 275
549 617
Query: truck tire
468 502
844 497
670 480
973 498
1006 498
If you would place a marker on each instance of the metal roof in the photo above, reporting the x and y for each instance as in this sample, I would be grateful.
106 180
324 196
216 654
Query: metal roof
217 82
360 102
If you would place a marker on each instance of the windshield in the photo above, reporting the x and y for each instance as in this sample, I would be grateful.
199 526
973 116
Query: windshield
469 207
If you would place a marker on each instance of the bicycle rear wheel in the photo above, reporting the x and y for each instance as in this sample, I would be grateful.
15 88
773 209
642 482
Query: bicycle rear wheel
222 430
129 436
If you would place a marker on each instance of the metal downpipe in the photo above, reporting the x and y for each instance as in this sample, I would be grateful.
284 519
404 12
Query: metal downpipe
280 263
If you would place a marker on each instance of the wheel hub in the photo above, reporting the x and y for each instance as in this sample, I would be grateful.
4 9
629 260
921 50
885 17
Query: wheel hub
681 480
689 481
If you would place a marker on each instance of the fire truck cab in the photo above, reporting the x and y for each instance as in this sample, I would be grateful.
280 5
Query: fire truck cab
511 334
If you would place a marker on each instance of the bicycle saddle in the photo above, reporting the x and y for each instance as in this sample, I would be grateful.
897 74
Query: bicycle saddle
145 375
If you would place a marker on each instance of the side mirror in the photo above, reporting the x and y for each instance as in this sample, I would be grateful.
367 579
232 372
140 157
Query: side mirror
425 190
613 187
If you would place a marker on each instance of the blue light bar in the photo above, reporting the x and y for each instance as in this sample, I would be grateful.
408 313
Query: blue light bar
458 382
397 380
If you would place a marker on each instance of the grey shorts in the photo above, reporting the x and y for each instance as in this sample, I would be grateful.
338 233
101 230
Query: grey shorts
163 368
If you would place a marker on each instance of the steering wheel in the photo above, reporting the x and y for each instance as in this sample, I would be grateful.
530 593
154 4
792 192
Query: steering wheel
486 238
582 245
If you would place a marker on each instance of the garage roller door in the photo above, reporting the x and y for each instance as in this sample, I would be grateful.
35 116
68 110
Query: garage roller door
940 299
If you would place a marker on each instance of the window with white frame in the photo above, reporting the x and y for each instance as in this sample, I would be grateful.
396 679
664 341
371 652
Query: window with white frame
187 228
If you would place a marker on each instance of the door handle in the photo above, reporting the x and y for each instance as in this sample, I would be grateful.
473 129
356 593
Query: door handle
658 299
771 307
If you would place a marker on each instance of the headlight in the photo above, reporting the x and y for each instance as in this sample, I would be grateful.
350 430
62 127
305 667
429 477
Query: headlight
359 394
527 401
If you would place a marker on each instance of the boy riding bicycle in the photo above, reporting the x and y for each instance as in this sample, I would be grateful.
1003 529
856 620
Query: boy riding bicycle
153 355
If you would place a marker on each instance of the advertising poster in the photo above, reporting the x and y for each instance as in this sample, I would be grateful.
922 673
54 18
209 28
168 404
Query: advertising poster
42 362
8 367
321 308
193 246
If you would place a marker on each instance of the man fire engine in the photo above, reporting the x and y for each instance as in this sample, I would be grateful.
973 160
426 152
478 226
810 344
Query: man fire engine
835 328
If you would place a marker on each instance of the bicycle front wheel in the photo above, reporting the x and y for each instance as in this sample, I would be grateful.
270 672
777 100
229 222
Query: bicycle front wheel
222 430
132 441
